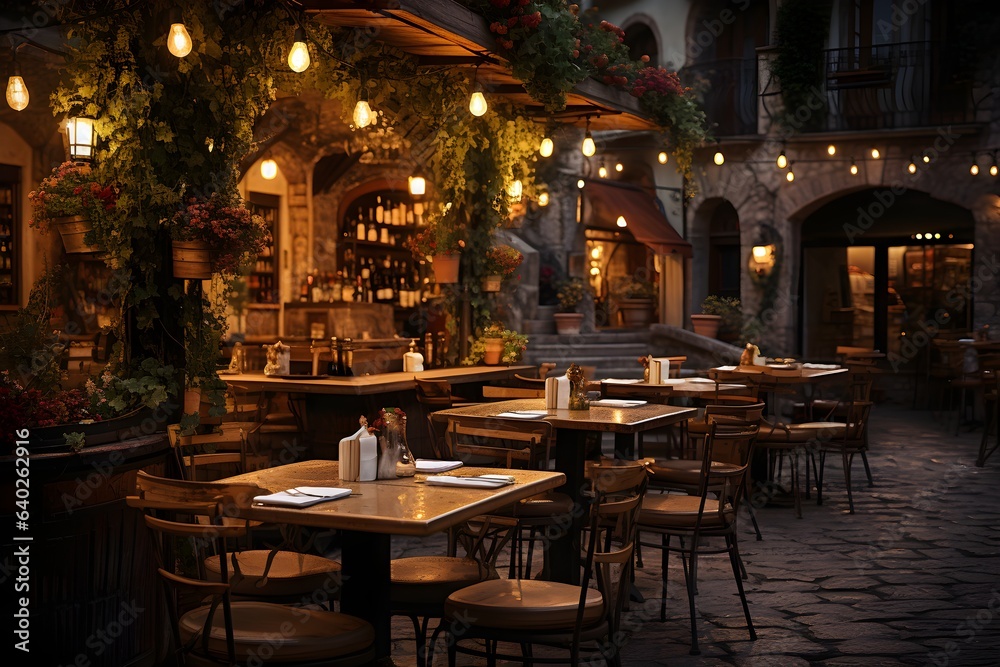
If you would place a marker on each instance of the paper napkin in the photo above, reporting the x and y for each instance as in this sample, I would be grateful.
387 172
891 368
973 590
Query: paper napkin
481 482
557 393
303 496
430 465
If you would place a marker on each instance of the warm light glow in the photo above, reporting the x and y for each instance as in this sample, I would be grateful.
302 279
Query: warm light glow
580 184
81 138
621 221
912 167
595 271
937 236
17 93
927 159
477 102
762 259
719 158
875 154
974 169
210 144
298 57
782 160
920 237
619 166
417 185
178 40
854 169
760 252
589 148
662 157
790 176
546 147
595 252
602 171
515 189
268 169
543 199
994 170
831 150
363 115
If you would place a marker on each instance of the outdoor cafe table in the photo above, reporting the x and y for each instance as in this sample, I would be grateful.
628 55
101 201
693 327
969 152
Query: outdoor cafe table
782 381
699 388
375 511
571 453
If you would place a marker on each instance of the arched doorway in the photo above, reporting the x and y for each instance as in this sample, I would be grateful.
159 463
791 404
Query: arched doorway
724 266
878 267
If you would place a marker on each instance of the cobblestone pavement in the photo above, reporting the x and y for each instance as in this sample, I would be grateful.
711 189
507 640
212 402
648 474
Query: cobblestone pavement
912 578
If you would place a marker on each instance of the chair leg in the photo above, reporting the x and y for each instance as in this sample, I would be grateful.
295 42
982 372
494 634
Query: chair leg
819 478
848 460
452 649
753 515
868 470
689 579
734 558
743 570
664 560
794 465
420 633
430 646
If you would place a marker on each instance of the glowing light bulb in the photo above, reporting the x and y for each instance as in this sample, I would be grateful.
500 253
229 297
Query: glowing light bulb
363 115
937 236
602 171
268 169
594 271
477 102
17 93
920 237
994 170
790 176
926 159
782 160
298 57
595 252
974 169
831 150
417 185
912 167
515 189
619 166
854 169
621 221
876 154
662 157
719 158
178 40
543 199
759 252
580 184
546 147
589 148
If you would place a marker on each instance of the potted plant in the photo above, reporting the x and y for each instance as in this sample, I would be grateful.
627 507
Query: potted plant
496 344
441 242
636 300
730 315
501 263
216 234
570 293
69 199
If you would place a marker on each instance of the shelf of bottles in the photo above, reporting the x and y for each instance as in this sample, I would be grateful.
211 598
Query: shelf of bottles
9 183
262 282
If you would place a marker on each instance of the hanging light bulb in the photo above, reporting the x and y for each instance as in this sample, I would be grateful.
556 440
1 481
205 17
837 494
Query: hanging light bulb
994 170
543 199
662 157
17 92
912 167
926 158
298 57
477 102
580 183
831 150
782 160
268 169
546 147
875 153
974 169
602 171
854 168
619 166
178 39
515 189
718 158
363 115
417 183
621 222
589 148
790 175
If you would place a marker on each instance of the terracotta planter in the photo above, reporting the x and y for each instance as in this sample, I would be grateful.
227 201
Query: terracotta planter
445 268
492 283
192 260
72 229
636 313
494 351
706 325
568 323
192 401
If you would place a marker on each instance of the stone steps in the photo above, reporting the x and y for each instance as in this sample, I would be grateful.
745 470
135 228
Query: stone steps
613 353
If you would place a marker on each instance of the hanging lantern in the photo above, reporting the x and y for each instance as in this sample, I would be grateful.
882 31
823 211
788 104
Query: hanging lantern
82 138
298 57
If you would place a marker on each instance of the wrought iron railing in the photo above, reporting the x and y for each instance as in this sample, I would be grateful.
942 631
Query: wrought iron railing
728 92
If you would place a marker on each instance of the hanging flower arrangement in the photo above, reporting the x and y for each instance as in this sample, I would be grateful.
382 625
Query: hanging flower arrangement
71 189
235 235
502 260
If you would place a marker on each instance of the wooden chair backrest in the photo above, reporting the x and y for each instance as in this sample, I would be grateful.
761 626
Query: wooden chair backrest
433 392
152 488
504 440
512 392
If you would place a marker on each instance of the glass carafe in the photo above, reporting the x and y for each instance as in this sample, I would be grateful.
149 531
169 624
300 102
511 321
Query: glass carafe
396 459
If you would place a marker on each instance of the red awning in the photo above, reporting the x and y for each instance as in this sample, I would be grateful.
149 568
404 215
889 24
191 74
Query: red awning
642 213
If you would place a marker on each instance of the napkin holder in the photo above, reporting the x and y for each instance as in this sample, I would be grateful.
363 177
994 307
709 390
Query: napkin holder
557 391
278 357
359 456
413 361
659 370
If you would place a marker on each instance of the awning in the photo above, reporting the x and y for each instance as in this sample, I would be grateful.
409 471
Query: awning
647 223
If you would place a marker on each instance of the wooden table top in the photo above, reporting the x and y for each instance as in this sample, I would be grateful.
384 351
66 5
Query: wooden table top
690 387
402 506
372 384
597 418
803 376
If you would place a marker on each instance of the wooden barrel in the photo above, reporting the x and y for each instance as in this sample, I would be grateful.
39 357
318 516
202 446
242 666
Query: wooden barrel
72 229
192 259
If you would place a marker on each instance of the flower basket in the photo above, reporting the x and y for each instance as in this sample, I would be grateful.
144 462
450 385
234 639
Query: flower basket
492 283
494 351
73 229
445 268
192 260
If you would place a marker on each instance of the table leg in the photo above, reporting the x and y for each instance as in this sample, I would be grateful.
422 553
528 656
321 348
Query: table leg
365 560
564 551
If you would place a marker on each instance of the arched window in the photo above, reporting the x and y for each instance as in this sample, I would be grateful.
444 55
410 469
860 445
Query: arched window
641 41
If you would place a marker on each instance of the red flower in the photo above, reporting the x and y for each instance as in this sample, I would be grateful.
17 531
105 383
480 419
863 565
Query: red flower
532 20
512 21
500 3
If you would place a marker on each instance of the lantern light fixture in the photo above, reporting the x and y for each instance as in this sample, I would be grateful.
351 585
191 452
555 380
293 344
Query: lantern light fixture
298 57
763 259
17 91
912 167
178 39
417 183
546 147
589 148
82 138
269 169
477 102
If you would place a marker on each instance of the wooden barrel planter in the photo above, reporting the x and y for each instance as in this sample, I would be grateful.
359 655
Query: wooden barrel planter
192 260
94 594
445 268
73 229
492 283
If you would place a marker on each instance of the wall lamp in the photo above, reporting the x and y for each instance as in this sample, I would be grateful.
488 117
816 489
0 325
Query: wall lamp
82 138
762 260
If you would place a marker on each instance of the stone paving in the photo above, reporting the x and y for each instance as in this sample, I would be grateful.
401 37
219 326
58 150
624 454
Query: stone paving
912 578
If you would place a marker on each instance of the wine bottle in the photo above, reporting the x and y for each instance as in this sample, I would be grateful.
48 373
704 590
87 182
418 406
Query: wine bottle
379 211
361 235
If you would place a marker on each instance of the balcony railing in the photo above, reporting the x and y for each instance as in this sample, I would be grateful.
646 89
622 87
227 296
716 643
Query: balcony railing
728 91
911 84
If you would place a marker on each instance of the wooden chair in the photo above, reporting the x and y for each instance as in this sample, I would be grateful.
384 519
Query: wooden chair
695 517
533 612
274 575
436 395
224 452
503 393
847 438
245 631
